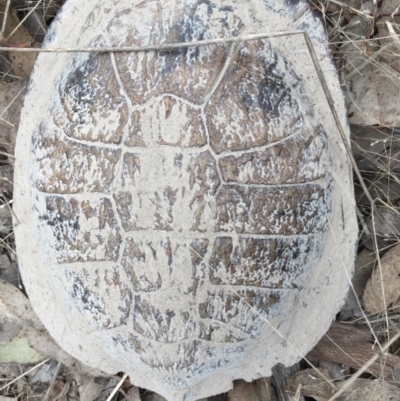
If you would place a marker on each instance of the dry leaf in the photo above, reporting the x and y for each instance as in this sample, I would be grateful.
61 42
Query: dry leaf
352 346
259 390
373 84
242 391
386 228
361 390
22 62
90 389
387 280
11 99
362 272
375 99
312 384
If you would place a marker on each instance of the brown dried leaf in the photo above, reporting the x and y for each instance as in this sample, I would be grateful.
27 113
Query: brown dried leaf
361 390
352 346
312 385
11 99
259 390
242 391
22 62
386 278
362 272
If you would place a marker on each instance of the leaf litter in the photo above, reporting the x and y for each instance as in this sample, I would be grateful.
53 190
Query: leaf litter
358 356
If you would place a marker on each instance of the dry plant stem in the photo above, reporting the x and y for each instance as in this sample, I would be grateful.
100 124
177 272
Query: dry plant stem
166 46
335 115
120 383
24 374
356 375
3 28
23 20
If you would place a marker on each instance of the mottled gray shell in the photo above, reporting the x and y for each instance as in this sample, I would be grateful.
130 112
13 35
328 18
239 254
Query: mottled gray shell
184 216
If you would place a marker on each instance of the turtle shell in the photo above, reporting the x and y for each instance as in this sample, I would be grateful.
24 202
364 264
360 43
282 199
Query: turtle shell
184 215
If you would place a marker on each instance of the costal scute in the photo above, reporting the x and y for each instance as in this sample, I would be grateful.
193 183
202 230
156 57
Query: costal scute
182 207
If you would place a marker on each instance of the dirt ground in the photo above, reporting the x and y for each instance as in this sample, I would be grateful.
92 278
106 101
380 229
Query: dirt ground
357 359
